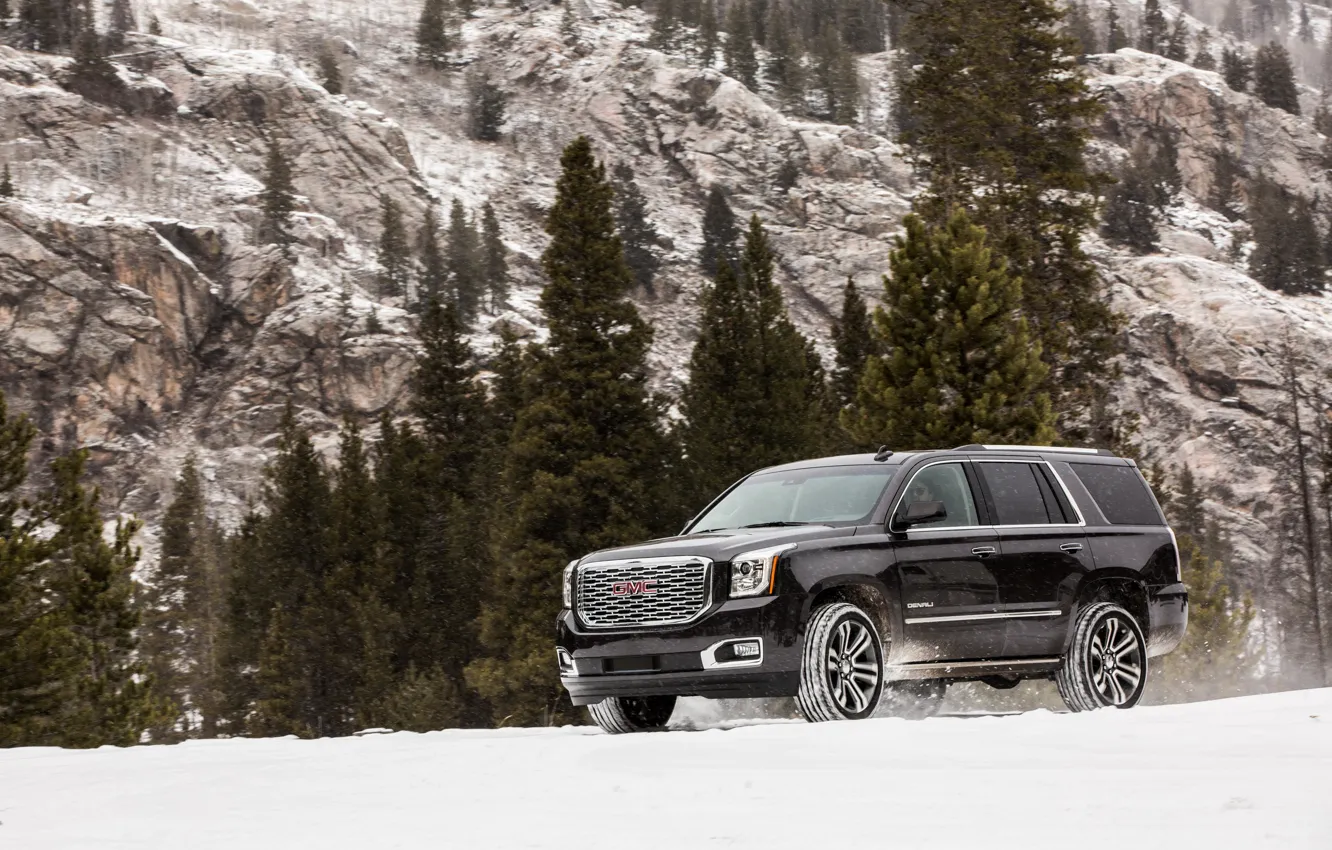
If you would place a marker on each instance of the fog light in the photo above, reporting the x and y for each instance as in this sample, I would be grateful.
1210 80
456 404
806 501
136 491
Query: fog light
748 649
566 662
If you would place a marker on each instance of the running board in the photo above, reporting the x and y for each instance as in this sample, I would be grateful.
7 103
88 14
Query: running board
970 669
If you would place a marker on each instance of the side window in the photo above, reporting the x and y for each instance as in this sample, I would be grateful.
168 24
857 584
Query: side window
942 482
1016 493
1120 493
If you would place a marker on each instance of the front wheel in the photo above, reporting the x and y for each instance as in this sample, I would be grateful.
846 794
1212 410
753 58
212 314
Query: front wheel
841 673
1106 662
619 715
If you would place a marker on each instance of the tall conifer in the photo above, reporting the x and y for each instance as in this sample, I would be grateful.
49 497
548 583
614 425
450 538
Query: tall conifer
720 233
587 462
1274 78
494 259
741 61
278 198
395 262
433 283
960 365
461 255
433 40
636 229
853 339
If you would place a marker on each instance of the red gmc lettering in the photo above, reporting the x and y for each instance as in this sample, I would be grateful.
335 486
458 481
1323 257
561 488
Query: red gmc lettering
634 588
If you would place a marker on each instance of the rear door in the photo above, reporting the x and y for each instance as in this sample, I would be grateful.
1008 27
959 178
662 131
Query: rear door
950 595
1043 553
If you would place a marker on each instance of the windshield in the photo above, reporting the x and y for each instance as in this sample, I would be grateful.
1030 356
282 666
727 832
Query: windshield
827 495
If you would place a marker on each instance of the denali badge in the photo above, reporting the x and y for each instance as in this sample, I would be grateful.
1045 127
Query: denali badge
634 588
920 604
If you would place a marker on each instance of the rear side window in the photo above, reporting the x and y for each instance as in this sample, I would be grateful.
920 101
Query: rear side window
1120 493
1017 495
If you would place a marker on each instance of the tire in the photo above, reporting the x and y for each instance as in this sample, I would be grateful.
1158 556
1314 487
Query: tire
621 715
841 671
1106 661
913 700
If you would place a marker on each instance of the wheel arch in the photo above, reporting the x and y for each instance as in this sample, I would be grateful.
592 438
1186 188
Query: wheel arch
868 594
1124 588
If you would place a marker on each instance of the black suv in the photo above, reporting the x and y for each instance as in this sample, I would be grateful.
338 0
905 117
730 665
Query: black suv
848 582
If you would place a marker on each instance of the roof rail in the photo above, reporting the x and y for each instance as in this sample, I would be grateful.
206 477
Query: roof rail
977 447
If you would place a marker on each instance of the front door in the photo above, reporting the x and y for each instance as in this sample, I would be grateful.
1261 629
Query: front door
1043 554
950 595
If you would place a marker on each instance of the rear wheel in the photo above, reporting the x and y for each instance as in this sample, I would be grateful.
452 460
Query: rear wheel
914 700
619 715
841 674
1106 662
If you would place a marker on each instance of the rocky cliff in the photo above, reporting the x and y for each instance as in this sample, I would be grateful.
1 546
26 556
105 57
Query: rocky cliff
139 318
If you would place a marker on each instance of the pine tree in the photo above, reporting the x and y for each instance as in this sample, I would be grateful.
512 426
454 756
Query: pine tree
1274 78
1263 18
433 40
853 340
1009 147
636 229
709 37
460 255
183 614
393 256
1188 515
665 27
1204 59
1177 47
279 649
1287 255
39 652
121 21
433 283
7 189
1236 69
961 365
587 462
837 78
785 69
109 701
1211 662
487 104
741 61
154 25
494 259
1232 21
330 73
861 25
278 198
1081 28
720 233
1163 169
51 27
1116 38
92 75
748 401
1306 25
1130 208
1152 31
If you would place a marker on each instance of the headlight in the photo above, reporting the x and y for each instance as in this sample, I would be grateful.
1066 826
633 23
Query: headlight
754 573
567 584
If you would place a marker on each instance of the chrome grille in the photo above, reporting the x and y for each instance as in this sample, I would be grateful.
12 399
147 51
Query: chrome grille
681 585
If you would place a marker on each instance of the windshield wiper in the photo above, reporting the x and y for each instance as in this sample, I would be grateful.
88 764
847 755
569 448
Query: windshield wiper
781 523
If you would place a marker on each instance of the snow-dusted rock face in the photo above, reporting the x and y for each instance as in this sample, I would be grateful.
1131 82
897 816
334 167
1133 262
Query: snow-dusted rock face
138 316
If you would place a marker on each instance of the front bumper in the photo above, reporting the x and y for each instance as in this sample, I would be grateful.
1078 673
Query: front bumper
682 661
1168 618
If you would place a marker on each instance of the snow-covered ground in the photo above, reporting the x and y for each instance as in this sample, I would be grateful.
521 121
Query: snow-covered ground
1245 773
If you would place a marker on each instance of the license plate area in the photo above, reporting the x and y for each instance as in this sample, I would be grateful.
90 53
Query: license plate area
631 664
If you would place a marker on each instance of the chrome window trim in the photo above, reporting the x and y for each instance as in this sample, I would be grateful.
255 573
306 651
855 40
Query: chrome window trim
710 661
1002 615
1082 521
897 503
706 563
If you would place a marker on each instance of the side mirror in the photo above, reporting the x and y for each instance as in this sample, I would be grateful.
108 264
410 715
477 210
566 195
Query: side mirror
920 512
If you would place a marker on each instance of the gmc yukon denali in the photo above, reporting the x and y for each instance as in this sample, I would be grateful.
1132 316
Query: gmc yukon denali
870 583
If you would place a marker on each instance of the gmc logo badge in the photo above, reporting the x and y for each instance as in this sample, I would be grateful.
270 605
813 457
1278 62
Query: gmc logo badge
634 588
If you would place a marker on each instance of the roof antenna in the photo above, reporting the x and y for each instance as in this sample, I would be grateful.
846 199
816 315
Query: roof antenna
883 454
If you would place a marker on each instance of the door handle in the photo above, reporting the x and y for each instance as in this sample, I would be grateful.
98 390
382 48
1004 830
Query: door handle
1071 547
983 551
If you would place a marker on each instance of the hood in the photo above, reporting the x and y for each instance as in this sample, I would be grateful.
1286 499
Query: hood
718 545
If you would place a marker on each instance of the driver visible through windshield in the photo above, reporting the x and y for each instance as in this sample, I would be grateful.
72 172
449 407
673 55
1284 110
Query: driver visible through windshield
830 495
